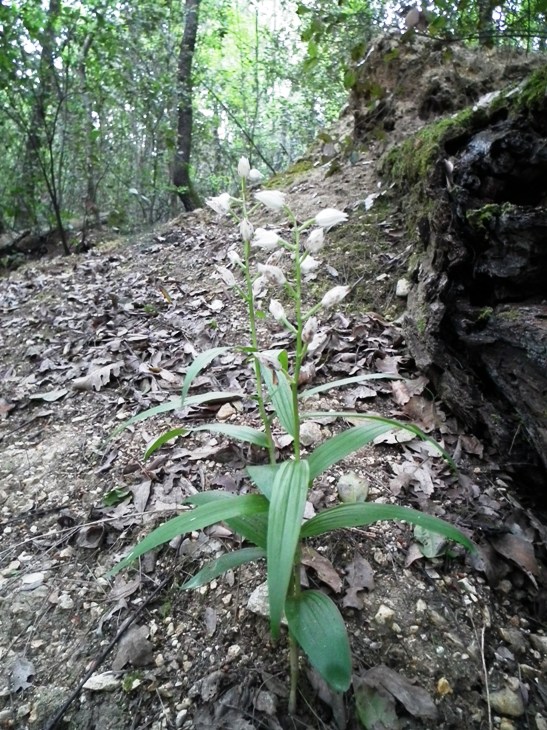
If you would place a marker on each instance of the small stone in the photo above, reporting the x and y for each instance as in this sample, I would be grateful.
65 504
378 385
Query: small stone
539 642
266 702
23 711
224 412
514 638
65 602
506 724
541 722
421 606
352 488
403 288
179 719
506 702
233 652
310 433
443 687
384 615
105 682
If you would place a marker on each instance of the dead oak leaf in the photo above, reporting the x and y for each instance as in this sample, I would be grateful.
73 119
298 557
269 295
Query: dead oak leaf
98 378
323 567
360 577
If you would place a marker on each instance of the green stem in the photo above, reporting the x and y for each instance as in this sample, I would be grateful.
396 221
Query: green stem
294 652
299 326
249 298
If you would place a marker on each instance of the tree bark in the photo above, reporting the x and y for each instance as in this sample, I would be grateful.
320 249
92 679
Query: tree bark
181 168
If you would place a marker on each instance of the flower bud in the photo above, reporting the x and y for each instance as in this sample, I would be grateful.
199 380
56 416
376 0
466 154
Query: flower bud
309 264
330 217
246 229
226 275
268 240
277 311
220 204
243 167
315 241
255 175
272 274
272 199
234 257
334 296
309 330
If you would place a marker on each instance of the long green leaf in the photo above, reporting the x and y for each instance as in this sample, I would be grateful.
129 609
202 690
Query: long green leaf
175 404
253 528
410 427
316 624
338 447
281 397
241 433
195 519
225 562
287 504
200 362
359 514
263 476
347 381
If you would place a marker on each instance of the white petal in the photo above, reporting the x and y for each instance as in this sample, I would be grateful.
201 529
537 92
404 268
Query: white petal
272 199
330 217
243 167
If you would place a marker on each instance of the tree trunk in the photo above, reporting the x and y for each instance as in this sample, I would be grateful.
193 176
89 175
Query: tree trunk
25 215
181 168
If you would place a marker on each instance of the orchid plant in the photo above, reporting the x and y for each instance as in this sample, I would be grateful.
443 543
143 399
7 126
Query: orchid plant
271 520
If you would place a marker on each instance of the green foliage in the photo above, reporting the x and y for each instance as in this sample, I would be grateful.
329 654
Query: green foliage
273 520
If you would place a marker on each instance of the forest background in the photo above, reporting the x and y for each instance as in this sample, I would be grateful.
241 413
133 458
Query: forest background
129 112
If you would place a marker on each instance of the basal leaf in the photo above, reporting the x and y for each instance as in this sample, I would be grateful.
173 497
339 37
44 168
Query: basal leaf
175 404
195 519
316 624
253 528
346 381
263 477
359 514
200 362
225 562
338 447
287 503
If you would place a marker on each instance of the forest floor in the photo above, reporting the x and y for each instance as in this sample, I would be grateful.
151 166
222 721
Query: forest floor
445 641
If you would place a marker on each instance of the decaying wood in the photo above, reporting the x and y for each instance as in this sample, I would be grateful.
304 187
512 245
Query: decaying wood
477 315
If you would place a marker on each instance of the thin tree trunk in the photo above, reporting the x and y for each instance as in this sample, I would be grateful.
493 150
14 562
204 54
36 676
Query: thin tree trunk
181 168
25 215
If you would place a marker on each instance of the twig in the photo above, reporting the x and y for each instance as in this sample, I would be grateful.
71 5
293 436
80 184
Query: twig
487 690
52 724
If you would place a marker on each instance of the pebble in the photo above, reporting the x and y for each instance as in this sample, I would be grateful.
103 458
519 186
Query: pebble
539 643
506 702
541 722
65 602
384 615
506 724
105 682
403 288
514 638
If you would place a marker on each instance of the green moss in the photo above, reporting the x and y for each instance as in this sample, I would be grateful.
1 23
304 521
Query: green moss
412 161
287 177
534 94
485 314
481 218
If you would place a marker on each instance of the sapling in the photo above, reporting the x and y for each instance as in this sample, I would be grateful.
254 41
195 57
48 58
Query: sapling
271 521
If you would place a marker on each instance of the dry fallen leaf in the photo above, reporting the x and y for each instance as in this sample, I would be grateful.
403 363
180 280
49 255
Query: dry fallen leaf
325 570
98 378
360 577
